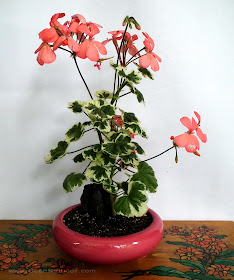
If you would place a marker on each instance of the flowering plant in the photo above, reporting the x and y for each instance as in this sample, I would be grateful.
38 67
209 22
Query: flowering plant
116 129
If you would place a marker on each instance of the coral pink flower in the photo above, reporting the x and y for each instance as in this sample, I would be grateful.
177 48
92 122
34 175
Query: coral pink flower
188 140
150 58
48 35
90 49
45 55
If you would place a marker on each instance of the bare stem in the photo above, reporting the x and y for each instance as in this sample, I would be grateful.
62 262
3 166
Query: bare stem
82 77
158 154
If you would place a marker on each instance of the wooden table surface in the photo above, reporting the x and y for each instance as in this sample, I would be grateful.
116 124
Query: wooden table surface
189 250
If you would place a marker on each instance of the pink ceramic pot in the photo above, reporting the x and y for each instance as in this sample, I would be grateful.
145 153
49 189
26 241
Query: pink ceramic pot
107 250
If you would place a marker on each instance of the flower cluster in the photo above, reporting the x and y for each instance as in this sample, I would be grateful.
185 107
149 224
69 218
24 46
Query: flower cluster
78 36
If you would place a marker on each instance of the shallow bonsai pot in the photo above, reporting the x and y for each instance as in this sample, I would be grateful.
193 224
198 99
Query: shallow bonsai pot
107 250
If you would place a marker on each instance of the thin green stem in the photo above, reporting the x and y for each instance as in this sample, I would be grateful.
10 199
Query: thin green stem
124 94
80 149
135 59
129 61
117 62
87 167
89 129
158 154
98 132
82 77
65 50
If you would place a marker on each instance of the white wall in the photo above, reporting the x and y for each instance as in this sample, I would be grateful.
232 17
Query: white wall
195 42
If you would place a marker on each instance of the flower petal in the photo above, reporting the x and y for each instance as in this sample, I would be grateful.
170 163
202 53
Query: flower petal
58 42
201 135
84 29
83 49
186 122
182 140
193 144
92 52
154 63
100 47
48 35
72 44
144 60
198 117
46 55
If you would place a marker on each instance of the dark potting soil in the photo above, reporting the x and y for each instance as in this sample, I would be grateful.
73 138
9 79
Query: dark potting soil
110 227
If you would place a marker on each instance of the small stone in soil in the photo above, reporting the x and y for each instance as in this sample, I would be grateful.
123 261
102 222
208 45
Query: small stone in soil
117 225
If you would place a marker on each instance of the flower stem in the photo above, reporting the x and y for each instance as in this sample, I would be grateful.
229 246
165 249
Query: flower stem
130 60
158 154
135 59
117 62
82 77
80 149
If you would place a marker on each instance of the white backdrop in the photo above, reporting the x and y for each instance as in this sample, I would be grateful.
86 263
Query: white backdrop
195 41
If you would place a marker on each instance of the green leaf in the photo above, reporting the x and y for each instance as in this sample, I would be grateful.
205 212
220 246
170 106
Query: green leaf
75 133
87 123
130 159
106 159
227 254
97 172
230 272
135 129
97 147
76 106
25 248
139 96
220 236
121 146
8 235
73 181
130 118
224 261
103 94
109 187
79 158
144 72
138 148
131 77
100 109
182 244
102 125
168 271
191 264
134 77
89 154
199 276
57 152
134 203
146 175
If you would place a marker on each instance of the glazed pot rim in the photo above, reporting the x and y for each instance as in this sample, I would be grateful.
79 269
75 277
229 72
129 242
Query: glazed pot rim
156 224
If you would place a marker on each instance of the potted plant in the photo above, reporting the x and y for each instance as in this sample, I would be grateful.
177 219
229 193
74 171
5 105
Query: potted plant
113 223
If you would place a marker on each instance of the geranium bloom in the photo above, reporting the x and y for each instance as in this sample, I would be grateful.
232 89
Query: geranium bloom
150 58
188 140
46 54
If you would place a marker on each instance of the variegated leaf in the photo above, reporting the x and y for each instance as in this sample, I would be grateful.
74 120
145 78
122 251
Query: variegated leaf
97 172
103 94
134 203
57 152
75 133
73 181
76 106
109 187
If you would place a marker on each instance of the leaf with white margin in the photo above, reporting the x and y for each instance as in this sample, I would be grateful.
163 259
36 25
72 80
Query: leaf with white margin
57 152
103 94
102 125
73 181
134 203
146 175
106 159
109 187
100 108
75 133
97 172
130 159
76 106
